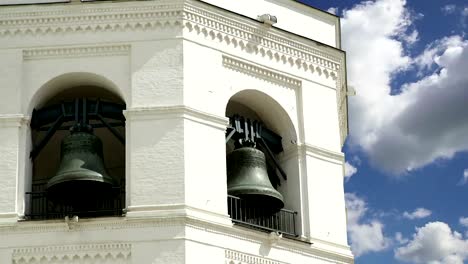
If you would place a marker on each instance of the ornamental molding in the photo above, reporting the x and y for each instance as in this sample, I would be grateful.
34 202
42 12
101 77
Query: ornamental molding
260 72
236 257
82 18
174 112
311 150
174 223
296 150
294 246
14 120
78 51
74 254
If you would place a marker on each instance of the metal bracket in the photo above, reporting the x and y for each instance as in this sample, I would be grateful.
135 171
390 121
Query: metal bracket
246 132
81 111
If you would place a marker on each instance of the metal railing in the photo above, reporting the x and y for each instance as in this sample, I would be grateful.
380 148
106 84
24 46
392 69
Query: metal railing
42 208
261 217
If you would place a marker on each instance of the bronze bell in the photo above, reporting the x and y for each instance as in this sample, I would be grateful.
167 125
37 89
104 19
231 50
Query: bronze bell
247 178
81 175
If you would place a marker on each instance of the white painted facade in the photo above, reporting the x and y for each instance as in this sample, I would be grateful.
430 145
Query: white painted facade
177 64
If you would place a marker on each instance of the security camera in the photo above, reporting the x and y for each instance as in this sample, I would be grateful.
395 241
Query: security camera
268 19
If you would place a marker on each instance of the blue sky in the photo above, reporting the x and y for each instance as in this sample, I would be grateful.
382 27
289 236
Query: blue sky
407 152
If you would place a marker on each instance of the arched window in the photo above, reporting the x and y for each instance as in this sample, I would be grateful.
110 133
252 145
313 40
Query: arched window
255 138
78 155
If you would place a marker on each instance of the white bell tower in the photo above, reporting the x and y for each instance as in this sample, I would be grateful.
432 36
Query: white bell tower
171 87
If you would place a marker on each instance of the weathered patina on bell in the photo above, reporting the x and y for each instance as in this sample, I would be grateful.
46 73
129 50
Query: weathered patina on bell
81 174
248 179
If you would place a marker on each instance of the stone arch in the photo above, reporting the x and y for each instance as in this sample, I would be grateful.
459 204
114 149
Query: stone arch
66 88
70 80
257 105
269 110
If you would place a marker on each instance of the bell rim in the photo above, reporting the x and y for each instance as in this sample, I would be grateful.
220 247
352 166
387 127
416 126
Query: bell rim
72 176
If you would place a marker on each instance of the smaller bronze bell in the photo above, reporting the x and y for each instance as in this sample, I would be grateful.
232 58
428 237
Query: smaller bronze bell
81 177
248 178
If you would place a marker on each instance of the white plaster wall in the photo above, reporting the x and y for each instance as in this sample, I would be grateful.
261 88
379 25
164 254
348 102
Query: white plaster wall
10 80
205 167
320 26
157 73
155 161
327 215
321 126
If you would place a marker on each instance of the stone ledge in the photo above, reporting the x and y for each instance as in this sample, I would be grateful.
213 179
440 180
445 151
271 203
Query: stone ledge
176 111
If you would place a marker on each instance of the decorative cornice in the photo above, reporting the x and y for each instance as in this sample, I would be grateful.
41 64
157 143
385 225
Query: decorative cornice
260 72
239 257
322 153
85 253
178 222
78 51
82 18
177 111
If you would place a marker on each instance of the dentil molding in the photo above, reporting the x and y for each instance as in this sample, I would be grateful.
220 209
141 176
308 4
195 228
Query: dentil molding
260 72
236 257
76 51
74 254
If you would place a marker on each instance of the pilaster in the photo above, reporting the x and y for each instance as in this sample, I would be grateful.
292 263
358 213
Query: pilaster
11 165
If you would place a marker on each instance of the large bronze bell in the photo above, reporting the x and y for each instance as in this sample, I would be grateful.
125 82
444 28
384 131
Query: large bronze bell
247 178
81 175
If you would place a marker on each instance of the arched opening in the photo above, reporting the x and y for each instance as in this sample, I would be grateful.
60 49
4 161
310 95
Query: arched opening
258 194
78 153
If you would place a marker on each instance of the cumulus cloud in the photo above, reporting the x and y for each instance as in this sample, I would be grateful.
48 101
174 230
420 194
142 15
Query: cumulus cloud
417 214
464 221
423 121
434 243
365 236
350 170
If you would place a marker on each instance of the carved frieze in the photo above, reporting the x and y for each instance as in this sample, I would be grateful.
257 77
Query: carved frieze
261 72
74 254
236 257
79 51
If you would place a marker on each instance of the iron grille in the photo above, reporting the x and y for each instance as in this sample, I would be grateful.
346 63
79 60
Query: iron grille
261 217
41 208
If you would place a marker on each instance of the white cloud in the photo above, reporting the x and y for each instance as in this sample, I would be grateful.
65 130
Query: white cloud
333 10
411 38
448 9
350 170
464 221
417 214
464 179
434 243
365 236
400 239
426 120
